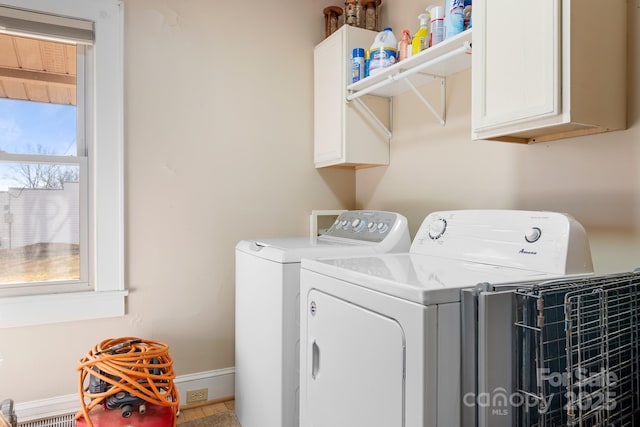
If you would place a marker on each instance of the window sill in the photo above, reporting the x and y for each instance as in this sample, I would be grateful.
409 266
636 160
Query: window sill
65 307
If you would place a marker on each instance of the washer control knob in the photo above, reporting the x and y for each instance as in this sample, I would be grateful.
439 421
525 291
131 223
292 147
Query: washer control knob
437 228
358 224
382 227
533 234
372 226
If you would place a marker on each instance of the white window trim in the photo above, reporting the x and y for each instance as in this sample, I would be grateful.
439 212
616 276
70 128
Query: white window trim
105 129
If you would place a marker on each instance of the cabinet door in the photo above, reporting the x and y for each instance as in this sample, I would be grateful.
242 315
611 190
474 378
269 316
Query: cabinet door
344 134
329 86
355 360
516 62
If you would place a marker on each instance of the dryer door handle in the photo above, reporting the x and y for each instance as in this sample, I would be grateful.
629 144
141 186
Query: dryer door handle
315 359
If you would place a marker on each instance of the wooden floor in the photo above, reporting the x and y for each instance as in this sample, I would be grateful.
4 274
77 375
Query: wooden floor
198 411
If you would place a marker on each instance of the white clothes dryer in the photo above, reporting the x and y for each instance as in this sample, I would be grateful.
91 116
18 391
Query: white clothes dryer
380 334
267 308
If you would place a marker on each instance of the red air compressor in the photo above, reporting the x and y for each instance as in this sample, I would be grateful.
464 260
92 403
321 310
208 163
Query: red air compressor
127 382
153 416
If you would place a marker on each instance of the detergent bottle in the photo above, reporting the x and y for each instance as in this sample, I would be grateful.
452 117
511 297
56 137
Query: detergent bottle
453 18
357 64
421 39
383 51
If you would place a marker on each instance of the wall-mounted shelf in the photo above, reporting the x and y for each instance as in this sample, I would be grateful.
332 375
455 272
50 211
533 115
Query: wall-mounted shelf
444 59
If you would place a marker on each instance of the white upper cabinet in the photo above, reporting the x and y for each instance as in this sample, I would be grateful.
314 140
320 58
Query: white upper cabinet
345 134
548 69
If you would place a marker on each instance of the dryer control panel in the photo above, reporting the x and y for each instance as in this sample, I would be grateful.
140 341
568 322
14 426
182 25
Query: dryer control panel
552 242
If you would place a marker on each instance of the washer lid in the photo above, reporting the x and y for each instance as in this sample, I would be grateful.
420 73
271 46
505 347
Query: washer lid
292 249
419 278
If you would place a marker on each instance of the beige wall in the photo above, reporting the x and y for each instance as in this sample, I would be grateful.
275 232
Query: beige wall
218 135
594 178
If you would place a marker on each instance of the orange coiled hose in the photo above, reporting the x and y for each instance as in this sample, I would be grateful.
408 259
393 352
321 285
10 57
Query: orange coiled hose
131 365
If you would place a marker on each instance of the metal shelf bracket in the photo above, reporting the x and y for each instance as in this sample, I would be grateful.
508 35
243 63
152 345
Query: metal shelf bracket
375 118
441 116
443 100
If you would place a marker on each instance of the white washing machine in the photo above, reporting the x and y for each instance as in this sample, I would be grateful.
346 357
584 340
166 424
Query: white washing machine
380 334
267 309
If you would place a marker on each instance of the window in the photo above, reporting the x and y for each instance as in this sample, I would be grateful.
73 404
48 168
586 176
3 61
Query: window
43 159
61 168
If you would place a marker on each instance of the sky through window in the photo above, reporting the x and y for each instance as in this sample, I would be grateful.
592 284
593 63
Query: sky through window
28 127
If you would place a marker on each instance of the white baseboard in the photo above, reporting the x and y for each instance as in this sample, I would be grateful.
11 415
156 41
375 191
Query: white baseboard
219 383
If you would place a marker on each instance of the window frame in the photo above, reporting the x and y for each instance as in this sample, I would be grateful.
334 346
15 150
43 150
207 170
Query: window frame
103 131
